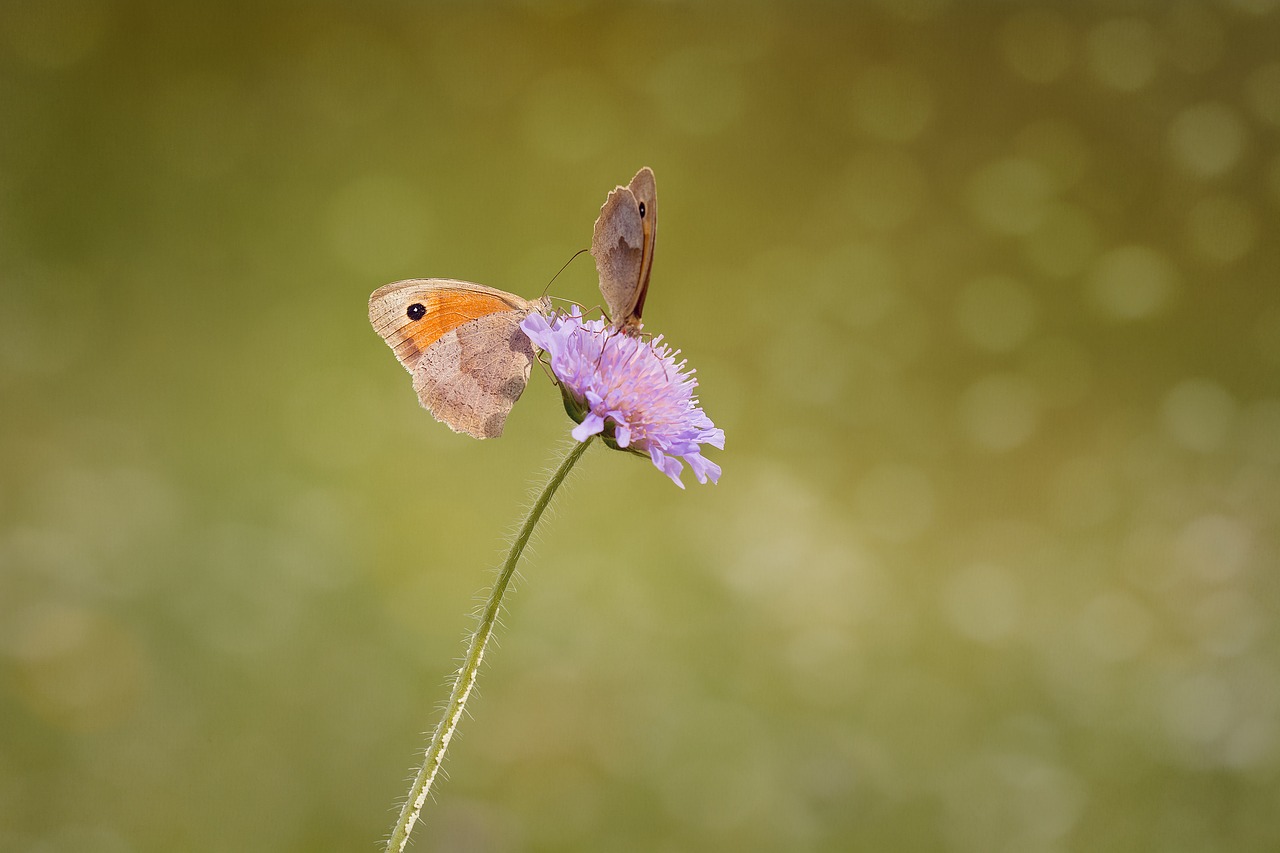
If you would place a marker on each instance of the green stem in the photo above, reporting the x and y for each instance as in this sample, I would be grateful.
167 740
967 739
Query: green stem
466 677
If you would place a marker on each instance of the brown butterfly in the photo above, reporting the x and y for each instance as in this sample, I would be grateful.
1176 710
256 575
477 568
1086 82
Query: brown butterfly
463 344
623 248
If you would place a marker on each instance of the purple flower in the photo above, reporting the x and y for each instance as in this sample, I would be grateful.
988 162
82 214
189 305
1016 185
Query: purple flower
630 389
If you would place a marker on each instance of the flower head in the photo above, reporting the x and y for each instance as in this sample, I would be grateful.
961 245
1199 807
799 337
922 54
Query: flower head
630 389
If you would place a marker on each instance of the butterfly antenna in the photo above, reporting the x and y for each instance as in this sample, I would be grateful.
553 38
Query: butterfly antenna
562 269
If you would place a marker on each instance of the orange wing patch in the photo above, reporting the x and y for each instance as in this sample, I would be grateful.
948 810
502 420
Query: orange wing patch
446 311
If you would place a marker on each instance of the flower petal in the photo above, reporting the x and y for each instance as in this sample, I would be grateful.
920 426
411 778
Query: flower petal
703 468
593 424
637 384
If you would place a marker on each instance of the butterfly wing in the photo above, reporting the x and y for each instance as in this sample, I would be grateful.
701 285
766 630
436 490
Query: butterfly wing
472 376
463 345
623 245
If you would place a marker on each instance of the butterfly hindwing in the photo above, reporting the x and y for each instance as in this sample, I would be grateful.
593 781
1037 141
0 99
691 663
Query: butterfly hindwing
472 376
622 246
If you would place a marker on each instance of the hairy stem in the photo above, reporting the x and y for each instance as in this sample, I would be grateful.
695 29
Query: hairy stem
466 677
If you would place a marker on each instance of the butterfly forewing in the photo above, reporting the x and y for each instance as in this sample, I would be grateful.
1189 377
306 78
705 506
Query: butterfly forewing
442 305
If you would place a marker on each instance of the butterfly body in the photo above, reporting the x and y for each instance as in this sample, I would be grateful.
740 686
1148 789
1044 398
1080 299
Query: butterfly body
463 344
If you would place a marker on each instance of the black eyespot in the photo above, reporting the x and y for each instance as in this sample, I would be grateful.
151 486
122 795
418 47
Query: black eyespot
642 210
416 311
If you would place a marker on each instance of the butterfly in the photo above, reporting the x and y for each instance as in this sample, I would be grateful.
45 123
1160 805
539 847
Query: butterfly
623 248
463 344
462 341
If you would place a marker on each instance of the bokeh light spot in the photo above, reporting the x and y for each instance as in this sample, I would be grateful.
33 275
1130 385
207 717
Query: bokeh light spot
1214 547
1008 799
1198 708
1123 53
983 602
999 412
1227 623
1010 196
1199 415
1207 139
1132 282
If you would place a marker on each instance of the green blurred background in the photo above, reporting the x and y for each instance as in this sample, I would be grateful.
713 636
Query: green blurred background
983 294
